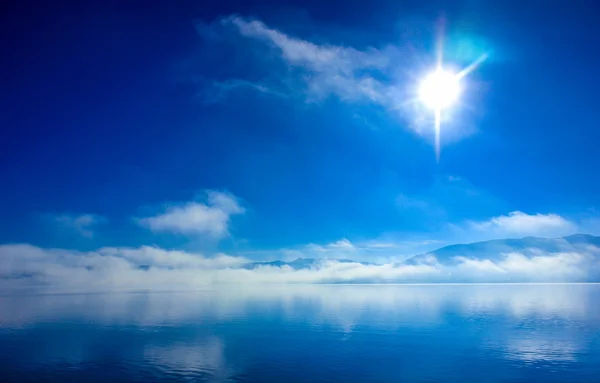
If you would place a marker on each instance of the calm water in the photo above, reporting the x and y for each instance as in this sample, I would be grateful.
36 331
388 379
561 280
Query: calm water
306 334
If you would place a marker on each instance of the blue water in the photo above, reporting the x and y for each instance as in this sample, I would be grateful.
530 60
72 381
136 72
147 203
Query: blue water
514 333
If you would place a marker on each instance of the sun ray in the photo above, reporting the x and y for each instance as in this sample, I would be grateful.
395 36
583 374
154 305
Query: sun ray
472 66
440 44
438 121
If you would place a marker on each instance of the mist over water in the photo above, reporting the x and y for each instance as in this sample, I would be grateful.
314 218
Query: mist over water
326 333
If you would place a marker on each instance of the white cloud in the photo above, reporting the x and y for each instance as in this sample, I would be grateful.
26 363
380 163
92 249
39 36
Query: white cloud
195 218
82 224
561 267
333 70
155 268
521 224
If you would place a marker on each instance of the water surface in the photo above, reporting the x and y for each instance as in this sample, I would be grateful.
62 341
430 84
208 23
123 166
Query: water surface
469 333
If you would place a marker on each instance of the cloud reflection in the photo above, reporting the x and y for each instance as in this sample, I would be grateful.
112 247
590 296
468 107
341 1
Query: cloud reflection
203 333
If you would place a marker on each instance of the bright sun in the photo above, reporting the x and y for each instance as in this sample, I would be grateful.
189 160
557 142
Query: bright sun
440 89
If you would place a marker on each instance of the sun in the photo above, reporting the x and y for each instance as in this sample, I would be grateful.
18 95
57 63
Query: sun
440 89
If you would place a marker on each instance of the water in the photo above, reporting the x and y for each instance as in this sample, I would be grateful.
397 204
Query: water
514 333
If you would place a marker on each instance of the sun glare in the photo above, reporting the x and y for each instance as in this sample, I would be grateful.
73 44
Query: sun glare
440 89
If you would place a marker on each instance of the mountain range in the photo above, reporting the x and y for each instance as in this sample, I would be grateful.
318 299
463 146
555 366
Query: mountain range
300 263
492 250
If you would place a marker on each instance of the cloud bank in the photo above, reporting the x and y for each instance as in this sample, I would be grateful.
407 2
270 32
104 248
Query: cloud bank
154 268
382 260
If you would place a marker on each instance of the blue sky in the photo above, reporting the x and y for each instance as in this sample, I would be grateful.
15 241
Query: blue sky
276 131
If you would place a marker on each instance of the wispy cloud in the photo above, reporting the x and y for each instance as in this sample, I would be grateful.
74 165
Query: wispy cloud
333 70
342 246
383 76
216 91
210 218
83 224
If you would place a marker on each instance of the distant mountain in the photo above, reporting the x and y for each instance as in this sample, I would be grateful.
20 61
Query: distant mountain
494 249
300 263
449 256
